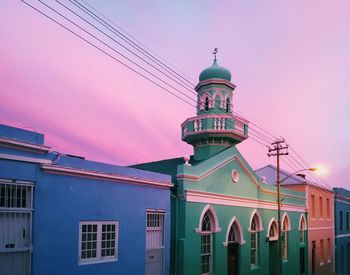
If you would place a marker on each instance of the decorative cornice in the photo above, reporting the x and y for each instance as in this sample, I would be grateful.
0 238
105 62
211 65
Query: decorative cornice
342 201
321 228
103 176
341 197
215 81
232 133
23 145
342 236
25 159
199 178
210 198
214 90
241 119
245 169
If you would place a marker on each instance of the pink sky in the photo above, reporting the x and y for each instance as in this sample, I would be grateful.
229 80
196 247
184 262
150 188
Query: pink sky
290 62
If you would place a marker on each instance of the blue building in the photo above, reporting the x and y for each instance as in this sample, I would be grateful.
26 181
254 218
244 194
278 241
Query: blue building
342 230
61 214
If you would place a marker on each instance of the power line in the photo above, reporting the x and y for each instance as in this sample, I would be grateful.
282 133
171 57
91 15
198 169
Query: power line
140 48
103 51
143 45
113 56
92 25
264 139
113 49
256 133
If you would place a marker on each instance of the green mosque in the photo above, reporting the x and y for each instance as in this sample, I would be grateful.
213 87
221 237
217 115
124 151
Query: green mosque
223 216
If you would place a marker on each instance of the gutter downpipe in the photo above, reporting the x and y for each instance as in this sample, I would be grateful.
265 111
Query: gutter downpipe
176 231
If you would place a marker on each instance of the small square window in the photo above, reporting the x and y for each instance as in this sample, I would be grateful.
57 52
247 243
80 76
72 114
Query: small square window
98 241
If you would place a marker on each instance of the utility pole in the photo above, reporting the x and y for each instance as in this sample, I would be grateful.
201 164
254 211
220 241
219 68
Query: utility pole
278 148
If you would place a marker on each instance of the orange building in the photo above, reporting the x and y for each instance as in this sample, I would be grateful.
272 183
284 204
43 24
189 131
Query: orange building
320 209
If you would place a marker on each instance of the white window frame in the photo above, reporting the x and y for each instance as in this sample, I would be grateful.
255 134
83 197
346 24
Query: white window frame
99 258
160 216
254 250
258 227
210 253
285 229
302 229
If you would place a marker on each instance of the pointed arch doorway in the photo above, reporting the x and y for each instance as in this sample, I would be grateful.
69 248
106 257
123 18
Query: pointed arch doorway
233 241
273 247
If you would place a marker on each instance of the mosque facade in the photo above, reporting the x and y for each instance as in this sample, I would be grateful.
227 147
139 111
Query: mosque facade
223 216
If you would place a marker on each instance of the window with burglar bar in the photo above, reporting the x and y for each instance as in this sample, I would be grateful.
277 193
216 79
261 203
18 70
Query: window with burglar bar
16 210
155 247
98 241
14 195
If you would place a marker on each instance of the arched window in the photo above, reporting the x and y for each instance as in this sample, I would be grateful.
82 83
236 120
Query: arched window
254 240
217 99
234 233
206 243
232 236
273 230
206 104
285 228
302 229
227 105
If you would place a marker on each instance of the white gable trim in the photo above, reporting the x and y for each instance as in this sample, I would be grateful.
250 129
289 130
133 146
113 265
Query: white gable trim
245 169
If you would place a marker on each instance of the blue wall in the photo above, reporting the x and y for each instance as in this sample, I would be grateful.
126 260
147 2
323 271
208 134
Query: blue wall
62 201
342 237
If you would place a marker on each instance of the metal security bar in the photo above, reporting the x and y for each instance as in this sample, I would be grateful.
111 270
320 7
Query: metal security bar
155 243
16 208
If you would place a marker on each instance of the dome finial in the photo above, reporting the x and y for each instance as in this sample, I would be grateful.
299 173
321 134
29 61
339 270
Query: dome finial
215 51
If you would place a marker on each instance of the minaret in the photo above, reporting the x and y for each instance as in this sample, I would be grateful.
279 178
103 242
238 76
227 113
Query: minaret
215 127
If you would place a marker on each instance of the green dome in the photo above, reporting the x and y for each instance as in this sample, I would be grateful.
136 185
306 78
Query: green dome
215 71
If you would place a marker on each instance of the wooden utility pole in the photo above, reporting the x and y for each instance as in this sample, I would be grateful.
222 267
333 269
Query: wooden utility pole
277 150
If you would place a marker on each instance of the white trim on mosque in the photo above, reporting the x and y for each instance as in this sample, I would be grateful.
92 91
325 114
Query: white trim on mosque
272 223
245 169
238 232
285 217
259 225
211 198
215 220
302 226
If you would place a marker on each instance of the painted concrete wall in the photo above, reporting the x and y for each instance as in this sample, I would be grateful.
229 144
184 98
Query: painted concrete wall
320 221
190 241
342 237
61 201
210 183
321 227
